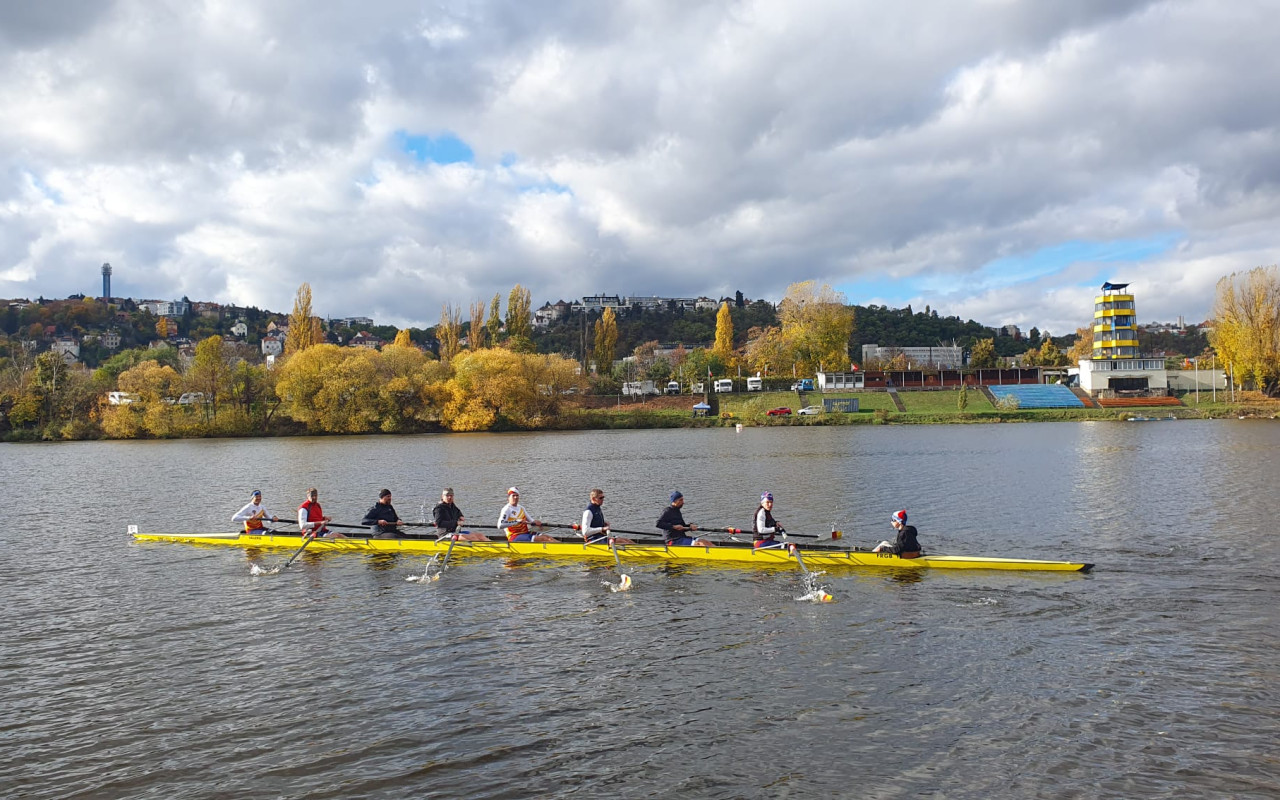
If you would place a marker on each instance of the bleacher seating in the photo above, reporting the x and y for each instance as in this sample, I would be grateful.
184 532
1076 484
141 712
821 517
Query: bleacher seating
1137 402
1038 395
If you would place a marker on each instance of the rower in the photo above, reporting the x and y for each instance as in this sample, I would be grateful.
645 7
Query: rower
311 518
253 514
513 521
448 517
382 518
765 526
672 521
905 544
594 528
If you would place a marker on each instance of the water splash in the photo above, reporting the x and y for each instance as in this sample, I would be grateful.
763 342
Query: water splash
814 592
427 575
257 570
623 584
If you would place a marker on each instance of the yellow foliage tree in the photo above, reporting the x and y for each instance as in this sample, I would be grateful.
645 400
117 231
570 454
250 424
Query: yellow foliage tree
503 388
723 347
983 355
816 326
1246 333
304 330
331 389
448 332
153 412
477 333
520 313
1082 348
407 381
402 338
210 374
163 327
606 341
766 351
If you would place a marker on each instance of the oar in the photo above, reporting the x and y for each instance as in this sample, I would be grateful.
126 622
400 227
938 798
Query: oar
816 593
256 570
427 575
611 530
624 580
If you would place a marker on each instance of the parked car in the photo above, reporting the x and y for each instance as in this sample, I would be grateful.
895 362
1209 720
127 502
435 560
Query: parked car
803 385
778 412
810 411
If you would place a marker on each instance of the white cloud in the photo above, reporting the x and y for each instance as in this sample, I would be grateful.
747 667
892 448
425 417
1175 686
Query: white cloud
232 150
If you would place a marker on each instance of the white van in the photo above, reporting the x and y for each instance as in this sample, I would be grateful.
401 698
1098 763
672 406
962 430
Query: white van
673 387
120 398
755 384
723 385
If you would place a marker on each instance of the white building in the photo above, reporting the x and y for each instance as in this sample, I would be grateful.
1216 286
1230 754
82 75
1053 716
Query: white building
111 340
1121 375
240 329
164 308
272 345
67 347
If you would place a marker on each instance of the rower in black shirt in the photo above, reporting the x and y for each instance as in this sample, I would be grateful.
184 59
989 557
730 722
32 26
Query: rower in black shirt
676 529
905 545
382 518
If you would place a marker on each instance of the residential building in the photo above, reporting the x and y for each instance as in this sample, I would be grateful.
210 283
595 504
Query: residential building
272 345
363 339
240 329
164 308
111 339
67 347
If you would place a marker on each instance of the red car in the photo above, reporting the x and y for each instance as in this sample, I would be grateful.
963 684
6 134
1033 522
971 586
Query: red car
778 412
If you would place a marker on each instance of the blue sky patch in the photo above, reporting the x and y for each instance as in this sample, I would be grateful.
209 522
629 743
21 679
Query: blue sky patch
1012 270
444 149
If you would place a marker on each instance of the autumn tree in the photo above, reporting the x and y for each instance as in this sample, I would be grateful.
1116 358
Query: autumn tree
606 341
723 347
331 389
766 351
152 413
163 328
448 332
304 329
500 388
210 374
816 326
520 313
1050 356
477 334
406 378
1246 333
402 338
494 325
983 355
1082 348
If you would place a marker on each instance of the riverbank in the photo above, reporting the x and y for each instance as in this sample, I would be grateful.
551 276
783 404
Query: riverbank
877 408
919 407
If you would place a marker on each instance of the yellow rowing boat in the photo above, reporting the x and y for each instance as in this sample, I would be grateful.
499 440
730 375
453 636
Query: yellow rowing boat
824 556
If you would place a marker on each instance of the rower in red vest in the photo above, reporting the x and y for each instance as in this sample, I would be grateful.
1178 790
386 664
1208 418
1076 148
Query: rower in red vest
311 518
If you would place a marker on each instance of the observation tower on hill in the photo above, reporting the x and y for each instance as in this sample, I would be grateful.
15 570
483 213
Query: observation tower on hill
106 282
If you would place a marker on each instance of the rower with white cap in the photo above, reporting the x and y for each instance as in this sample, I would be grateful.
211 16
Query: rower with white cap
905 544
765 526
513 521
253 514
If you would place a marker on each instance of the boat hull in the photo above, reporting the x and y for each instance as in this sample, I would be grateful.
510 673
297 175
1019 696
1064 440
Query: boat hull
825 557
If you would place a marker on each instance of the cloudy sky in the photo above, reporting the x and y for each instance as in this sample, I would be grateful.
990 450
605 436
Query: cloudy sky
995 159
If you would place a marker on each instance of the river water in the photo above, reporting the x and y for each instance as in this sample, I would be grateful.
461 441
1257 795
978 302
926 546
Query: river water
146 670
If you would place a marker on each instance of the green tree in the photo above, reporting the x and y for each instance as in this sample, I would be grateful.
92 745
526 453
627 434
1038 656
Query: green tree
494 324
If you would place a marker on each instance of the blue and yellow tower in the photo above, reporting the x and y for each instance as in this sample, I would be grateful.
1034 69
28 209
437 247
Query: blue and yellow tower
1115 323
